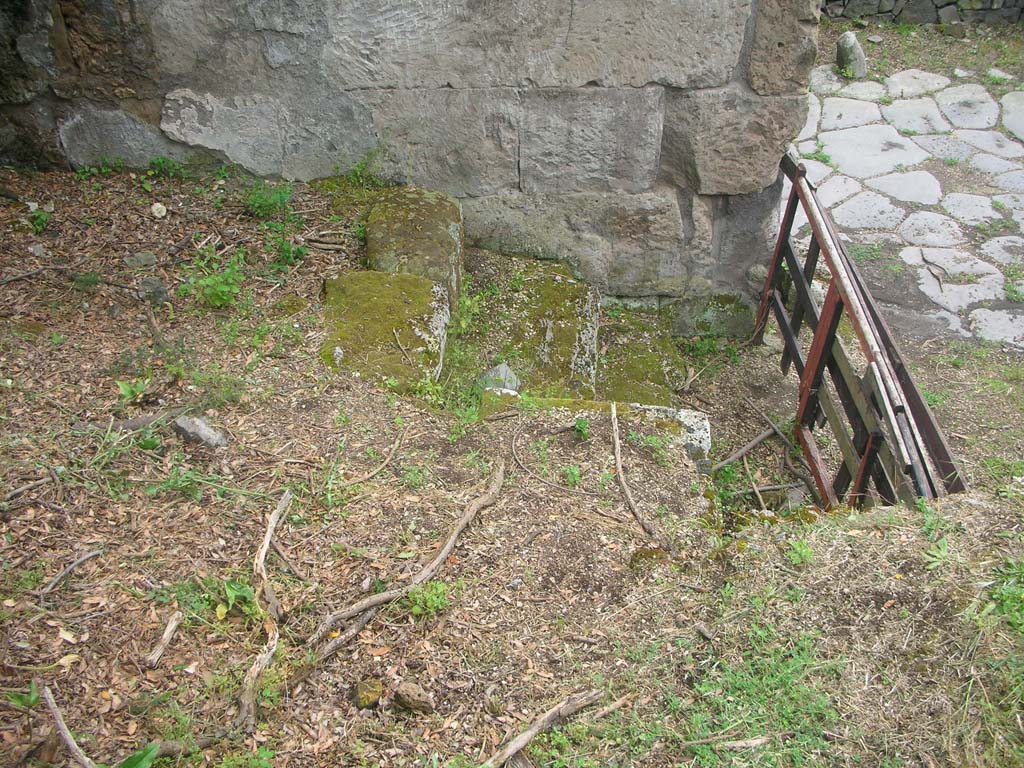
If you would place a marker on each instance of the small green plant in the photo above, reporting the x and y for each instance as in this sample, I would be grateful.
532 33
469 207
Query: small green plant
952 161
582 428
1013 285
237 594
937 555
265 201
26 700
132 391
39 219
819 154
413 477
287 254
846 73
934 399
931 522
214 281
57 338
427 600
261 758
864 251
358 231
166 168
363 174
1007 593
572 475
179 480
800 552
85 281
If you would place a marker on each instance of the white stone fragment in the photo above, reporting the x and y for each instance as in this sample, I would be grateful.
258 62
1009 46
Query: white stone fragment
870 150
915 116
992 142
968 106
912 83
848 113
931 229
912 187
868 210
813 115
1014 204
970 209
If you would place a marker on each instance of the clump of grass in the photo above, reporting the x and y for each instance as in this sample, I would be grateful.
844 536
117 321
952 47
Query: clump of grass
1007 593
214 280
266 201
427 600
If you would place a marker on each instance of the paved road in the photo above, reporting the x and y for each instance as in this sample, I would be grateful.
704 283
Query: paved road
924 176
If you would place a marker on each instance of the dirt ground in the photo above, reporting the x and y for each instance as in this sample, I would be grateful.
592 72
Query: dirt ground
780 637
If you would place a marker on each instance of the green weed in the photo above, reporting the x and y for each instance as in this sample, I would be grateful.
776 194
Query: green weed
582 428
215 280
427 600
800 552
40 220
1007 593
266 201
572 476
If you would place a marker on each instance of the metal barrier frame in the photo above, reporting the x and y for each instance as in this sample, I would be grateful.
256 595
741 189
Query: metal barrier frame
894 440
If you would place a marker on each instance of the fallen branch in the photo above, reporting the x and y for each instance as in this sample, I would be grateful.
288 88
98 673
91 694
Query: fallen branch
621 475
489 496
33 273
129 425
27 487
64 574
401 347
538 478
743 451
753 485
561 711
380 468
247 698
157 653
65 733
296 571
615 705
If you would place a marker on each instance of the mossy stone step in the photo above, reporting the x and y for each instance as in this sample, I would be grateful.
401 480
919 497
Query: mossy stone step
639 361
370 314
539 319
417 231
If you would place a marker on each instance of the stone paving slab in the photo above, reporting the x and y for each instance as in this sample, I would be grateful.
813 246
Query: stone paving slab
992 142
868 210
914 116
968 106
912 83
848 113
870 150
1013 113
970 209
993 165
1011 182
945 147
931 229
913 187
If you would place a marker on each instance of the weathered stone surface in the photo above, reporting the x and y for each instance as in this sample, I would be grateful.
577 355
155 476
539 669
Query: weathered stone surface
1005 250
868 210
837 189
1010 182
970 209
500 377
462 43
92 134
784 47
591 139
367 693
850 56
638 361
726 141
992 142
304 139
931 229
865 90
411 696
993 165
824 80
478 128
369 313
913 83
915 116
626 245
919 12
810 128
870 150
965 279
1003 325
1015 205
913 187
968 106
1013 113
198 430
153 291
840 113
945 147
419 232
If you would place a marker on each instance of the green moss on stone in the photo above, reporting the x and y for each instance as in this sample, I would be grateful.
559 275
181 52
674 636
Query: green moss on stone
365 310
639 361
723 315
288 306
417 231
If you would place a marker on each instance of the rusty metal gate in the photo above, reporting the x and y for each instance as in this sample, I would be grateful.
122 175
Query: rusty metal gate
887 436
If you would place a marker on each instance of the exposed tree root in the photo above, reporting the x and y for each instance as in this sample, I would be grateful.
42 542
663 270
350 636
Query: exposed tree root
564 709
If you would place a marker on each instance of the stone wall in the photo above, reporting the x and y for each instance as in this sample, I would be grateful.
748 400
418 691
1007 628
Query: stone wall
637 141
927 11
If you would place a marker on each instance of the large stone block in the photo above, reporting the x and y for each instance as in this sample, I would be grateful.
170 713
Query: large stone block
302 139
727 141
784 47
591 139
91 134
625 245
465 142
469 43
419 232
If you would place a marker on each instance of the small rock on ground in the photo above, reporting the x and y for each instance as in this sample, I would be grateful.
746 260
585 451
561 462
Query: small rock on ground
412 697
931 229
198 430
850 56
368 692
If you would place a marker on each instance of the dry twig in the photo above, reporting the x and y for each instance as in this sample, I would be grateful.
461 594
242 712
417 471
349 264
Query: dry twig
561 711
489 496
247 698
646 524
380 468
739 454
172 626
65 733
64 574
